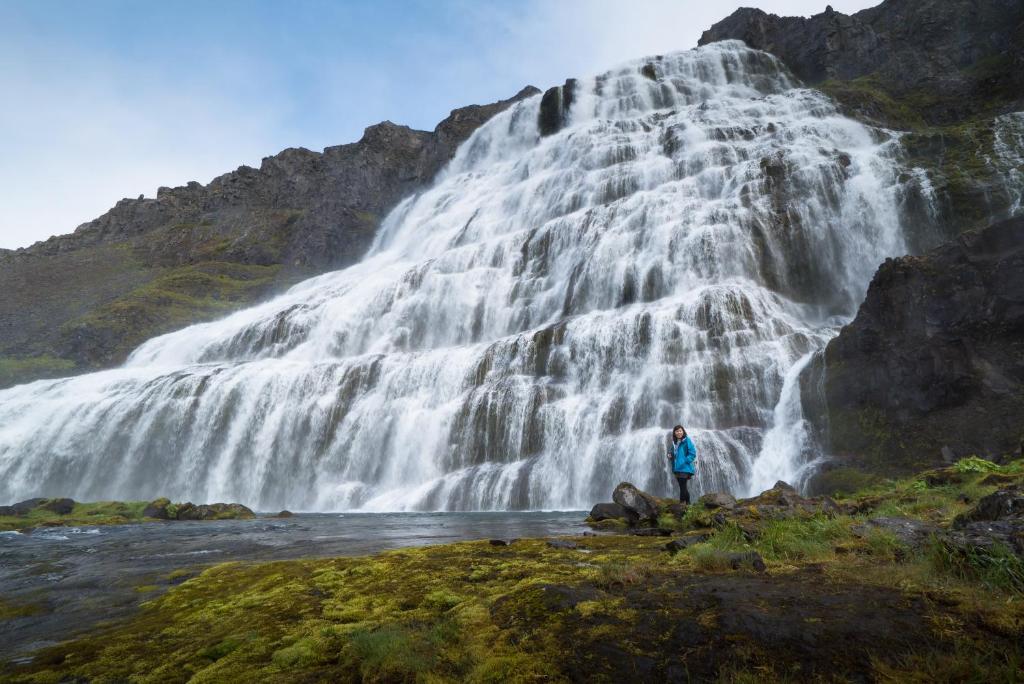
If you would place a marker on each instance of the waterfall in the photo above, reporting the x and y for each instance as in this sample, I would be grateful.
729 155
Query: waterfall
524 333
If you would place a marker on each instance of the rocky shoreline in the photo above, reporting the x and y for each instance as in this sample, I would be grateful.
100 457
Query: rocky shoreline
25 516
916 578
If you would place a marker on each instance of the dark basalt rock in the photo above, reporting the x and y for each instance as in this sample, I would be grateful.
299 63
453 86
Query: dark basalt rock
934 358
59 506
612 511
1000 505
642 504
945 47
554 107
216 511
23 507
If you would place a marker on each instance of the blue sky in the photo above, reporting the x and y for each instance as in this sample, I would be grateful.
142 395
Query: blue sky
109 98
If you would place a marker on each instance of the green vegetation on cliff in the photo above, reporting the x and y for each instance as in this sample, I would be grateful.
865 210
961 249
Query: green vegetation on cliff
840 599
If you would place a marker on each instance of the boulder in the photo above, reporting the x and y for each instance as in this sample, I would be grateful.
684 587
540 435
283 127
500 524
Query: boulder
642 504
157 509
216 511
59 506
1000 505
909 531
985 534
612 511
718 500
283 514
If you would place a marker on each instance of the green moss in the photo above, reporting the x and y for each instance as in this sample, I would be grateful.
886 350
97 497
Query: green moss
526 612
16 370
176 298
10 611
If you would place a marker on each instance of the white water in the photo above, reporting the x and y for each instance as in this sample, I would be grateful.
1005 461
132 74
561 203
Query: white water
523 334
1008 158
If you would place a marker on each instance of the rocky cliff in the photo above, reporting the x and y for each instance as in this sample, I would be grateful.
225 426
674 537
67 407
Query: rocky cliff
947 71
149 266
934 358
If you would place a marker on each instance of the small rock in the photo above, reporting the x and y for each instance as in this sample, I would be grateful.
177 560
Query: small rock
157 509
562 544
718 500
752 558
651 532
948 455
59 506
284 514
677 545
497 542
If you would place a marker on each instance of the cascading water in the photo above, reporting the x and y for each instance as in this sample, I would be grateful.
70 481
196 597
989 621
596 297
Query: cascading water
523 334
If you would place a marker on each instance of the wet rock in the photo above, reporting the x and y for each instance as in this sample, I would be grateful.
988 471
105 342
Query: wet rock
498 542
909 531
948 455
157 509
216 511
718 500
986 534
554 107
562 544
932 359
642 504
1000 505
686 541
59 506
283 514
612 511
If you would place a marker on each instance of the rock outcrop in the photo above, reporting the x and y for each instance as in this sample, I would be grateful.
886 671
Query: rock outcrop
148 266
951 72
934 358
954 56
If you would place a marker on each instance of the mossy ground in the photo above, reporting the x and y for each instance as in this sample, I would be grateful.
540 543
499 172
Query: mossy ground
832 606
94 513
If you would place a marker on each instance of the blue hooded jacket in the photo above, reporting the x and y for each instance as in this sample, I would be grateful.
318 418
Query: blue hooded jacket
685 455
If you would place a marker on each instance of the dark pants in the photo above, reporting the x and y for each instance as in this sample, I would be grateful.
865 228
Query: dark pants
683 479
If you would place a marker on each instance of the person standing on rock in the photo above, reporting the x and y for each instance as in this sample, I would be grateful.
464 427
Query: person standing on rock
682 454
